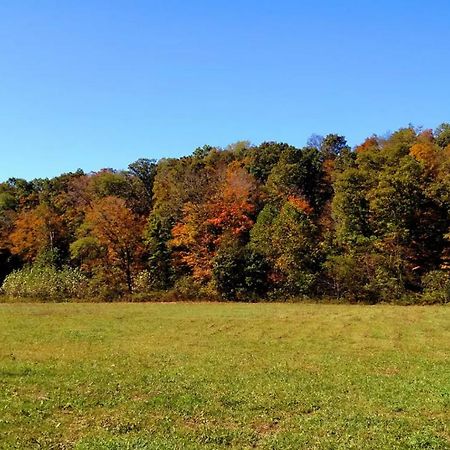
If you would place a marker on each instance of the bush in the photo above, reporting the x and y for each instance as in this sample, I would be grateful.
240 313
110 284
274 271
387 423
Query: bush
46 283
142 282
436 287
363 277
188 288
107 285
145 283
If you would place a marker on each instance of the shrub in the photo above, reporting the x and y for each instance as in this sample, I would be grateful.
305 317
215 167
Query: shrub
46 282
142 282
145 282
364 277
107 285
436 286
188 288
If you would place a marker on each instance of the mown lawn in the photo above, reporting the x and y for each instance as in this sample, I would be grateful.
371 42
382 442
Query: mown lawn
194 376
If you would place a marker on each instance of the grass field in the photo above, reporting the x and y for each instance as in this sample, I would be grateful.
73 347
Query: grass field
188 376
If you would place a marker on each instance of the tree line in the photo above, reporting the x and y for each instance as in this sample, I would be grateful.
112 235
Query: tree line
245 222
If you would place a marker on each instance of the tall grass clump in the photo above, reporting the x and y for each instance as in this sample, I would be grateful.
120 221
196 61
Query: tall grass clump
46 282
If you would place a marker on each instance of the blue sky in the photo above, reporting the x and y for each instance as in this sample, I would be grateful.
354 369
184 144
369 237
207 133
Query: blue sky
93 84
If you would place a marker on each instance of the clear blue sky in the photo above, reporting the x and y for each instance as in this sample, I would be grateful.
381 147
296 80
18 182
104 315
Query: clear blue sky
95 84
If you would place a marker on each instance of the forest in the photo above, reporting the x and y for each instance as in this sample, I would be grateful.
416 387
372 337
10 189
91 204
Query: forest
241 223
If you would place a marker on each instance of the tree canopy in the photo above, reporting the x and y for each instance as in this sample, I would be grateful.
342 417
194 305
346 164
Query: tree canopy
367 223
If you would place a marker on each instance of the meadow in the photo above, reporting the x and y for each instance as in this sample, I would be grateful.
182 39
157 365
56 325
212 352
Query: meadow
224 375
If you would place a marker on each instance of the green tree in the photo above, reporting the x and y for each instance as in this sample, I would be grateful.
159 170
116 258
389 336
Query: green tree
239 272
442 134
333 145
289 241
145 170
157 236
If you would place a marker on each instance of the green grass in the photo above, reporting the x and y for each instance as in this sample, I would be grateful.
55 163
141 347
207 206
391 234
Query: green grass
199 375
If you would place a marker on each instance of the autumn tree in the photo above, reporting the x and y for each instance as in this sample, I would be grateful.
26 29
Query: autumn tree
35 231
113 226
179 182
225 218
371 223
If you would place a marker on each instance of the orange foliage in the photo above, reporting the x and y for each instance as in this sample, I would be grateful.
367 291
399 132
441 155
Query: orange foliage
34 231
114 225
232 210
368 144
119 231
204 227
301 204
426 151
193 241
328 168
